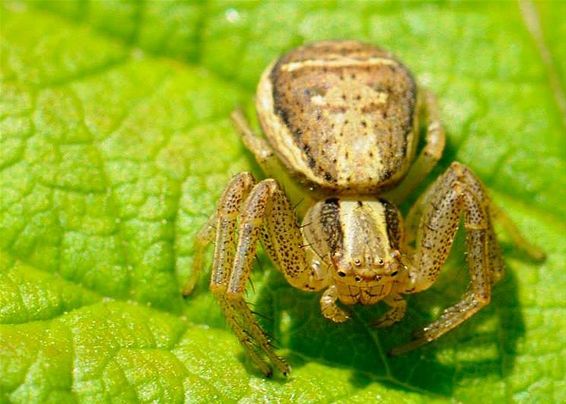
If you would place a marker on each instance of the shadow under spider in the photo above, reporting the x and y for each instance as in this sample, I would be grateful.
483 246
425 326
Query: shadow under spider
490 337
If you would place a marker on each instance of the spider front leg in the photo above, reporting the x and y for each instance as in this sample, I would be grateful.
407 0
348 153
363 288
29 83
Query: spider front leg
247 212
329 308
457 192
398 308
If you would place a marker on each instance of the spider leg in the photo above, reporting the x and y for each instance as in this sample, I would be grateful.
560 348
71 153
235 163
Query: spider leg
395 313
329 308
257 145
283 242
430 154
270 164
202 239
241 207
457 192
497 215
533 251
222 228
259 211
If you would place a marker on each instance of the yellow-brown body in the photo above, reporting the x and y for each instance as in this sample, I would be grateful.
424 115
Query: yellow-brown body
342 121
341 116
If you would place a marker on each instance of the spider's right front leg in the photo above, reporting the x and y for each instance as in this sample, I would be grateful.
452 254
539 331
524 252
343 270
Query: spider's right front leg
247 212
232 263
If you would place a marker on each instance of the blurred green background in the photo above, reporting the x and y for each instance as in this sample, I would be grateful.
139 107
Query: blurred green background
115 143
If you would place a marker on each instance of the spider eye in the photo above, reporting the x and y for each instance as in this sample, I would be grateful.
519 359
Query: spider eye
341 274
394 273
357 262
380 262
357 278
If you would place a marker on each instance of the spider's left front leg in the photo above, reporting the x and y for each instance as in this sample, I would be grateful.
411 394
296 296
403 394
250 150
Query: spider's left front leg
456 193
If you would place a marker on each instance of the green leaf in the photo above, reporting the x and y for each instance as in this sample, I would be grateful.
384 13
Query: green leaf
115 143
